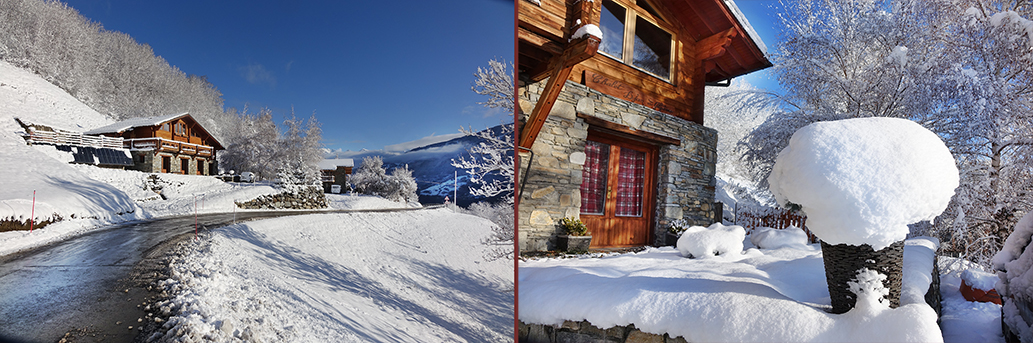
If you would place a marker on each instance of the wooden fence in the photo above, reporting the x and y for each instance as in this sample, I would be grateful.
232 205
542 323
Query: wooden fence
774 218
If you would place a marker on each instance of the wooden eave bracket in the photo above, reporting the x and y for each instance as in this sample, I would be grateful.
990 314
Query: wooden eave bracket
716 45
558 70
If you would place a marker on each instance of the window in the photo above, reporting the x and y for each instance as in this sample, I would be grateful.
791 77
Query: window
634 34
181 129
165 127
593 184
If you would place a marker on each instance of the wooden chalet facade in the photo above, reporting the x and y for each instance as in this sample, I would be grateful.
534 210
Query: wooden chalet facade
612 126
167 144
335 171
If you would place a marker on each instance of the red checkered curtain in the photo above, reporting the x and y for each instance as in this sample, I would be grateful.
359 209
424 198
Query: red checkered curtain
629 182
593 185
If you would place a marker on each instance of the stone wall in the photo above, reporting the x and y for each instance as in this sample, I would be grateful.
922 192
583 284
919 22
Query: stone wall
583 331
147 161
313 199
685 175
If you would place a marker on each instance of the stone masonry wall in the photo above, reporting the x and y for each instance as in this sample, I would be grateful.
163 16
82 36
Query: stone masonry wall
685 180
583 331
305 200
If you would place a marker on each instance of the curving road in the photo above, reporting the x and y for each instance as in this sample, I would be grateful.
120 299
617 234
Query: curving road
88 287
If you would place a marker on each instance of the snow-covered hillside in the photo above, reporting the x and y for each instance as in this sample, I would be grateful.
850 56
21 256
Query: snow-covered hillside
84 197
413 276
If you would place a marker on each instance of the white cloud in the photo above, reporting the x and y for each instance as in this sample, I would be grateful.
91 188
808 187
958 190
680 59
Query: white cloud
256 74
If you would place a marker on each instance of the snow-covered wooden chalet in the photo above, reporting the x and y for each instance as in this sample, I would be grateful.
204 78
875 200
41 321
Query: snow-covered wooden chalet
168 144
611 109
335 171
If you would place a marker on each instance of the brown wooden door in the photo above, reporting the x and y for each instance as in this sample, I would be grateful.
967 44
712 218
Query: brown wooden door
617 191
166 164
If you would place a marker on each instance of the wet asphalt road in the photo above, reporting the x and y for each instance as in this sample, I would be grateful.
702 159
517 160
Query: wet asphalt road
89 286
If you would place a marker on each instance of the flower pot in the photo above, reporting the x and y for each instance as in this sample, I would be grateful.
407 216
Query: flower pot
573 243
842 262
671 239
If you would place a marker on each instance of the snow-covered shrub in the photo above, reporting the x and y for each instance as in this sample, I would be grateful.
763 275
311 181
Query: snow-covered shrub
770 238
716 240
371 178
1014 265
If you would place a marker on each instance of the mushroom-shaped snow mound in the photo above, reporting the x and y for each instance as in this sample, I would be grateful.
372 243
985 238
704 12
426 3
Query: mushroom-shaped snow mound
862 181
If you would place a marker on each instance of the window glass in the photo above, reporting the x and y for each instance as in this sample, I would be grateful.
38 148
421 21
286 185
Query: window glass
652 49
630 180
593 184
165 127
611 22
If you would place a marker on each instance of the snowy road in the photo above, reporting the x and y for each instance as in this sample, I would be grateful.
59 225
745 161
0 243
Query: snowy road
92 284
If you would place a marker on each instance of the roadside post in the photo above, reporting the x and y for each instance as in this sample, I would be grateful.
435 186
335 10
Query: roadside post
32 213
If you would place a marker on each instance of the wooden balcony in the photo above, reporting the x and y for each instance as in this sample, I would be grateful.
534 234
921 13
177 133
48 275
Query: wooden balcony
161 144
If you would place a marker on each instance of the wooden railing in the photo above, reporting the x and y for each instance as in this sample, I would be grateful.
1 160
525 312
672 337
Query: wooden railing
168 145
74 138
770 217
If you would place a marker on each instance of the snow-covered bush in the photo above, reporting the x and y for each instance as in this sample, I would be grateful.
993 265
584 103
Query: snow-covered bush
770 238
716 240
371 178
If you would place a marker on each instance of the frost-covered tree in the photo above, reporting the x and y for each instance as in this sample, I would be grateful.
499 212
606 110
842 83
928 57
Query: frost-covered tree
108 71
733 121
299 150
490 162
495 82
960 68
253 145
371 178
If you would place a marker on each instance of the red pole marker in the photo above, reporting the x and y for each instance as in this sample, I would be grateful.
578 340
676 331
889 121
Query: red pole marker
33 213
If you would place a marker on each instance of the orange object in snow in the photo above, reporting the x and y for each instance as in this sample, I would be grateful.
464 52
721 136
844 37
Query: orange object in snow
975 294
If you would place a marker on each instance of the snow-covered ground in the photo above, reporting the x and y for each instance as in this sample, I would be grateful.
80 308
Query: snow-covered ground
770 295
413 276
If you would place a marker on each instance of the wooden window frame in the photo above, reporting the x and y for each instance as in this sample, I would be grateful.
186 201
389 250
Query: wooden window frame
632 11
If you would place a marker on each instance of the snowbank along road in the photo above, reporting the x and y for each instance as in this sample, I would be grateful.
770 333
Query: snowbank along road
89 286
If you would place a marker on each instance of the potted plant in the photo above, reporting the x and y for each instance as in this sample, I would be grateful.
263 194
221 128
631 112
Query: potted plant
674 231
577 238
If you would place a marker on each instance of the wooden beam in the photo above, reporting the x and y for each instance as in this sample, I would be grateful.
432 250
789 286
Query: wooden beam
559 69
627 130
715 45
540 41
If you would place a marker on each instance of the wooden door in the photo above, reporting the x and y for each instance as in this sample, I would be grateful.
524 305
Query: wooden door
166 164
617 191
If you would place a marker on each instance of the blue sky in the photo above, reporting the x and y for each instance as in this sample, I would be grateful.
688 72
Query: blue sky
763 16
375 73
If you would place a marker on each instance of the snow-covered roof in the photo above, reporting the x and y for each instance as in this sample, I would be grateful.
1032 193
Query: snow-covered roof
746 25
333 163
127 124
